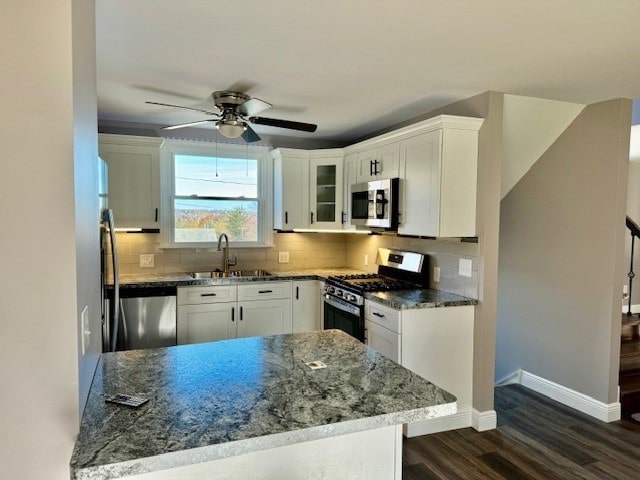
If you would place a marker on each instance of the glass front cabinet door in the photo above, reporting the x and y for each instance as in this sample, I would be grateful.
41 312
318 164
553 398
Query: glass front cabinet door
326 192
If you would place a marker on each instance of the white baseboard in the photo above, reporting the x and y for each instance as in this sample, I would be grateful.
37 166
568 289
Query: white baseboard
606 412
515 377
462 419
483 421
634 308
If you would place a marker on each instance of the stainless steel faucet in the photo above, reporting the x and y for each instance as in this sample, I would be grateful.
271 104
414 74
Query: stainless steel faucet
226 263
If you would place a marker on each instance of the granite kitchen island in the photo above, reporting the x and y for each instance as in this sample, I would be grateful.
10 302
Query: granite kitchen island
253 408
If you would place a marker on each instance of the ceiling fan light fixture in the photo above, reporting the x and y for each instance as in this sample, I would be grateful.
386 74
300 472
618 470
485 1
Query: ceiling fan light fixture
231 128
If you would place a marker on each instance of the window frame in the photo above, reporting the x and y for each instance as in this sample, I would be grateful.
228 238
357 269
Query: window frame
170 148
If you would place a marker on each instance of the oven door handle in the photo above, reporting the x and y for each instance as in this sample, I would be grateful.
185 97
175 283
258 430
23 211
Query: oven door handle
340 305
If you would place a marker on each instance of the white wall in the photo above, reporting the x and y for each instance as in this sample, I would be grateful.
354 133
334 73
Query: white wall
561 265
38 290
86 188
530 126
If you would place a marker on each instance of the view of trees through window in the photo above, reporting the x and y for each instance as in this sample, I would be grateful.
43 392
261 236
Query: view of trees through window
215 196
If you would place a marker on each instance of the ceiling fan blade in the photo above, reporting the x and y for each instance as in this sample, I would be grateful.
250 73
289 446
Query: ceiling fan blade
190 124
274 122
253 106
208 112
250 135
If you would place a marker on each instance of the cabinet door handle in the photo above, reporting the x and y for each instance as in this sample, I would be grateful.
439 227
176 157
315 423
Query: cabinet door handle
233 314
379 315
286 217
241 313
265 291
375 167
156 214
371 168
311 217
297 293
344 218
208 294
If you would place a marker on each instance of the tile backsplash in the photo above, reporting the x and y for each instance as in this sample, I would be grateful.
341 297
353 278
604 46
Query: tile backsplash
443 253
306 250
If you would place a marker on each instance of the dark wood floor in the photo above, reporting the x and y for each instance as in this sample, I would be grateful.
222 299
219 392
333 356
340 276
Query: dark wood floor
536 438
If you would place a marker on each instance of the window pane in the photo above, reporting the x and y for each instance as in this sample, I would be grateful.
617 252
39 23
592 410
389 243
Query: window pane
205 220
211 177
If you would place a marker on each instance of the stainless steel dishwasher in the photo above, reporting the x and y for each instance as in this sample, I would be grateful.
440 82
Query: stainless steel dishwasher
147 317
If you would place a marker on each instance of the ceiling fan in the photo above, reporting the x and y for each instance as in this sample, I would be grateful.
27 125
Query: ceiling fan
234 112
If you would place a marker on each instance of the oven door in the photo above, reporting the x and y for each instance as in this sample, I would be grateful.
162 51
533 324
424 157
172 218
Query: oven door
343 316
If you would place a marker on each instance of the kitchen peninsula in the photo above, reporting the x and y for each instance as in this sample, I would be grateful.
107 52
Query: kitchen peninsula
253 408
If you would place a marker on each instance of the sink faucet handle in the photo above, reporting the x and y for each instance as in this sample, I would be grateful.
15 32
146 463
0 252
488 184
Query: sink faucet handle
234 262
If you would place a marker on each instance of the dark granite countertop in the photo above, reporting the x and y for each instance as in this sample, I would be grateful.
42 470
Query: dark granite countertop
221 399
185 279
400 300
419 298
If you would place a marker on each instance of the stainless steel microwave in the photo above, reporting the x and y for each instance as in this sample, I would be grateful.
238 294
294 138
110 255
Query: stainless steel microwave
375 204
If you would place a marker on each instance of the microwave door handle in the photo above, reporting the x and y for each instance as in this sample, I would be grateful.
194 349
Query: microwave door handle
381 202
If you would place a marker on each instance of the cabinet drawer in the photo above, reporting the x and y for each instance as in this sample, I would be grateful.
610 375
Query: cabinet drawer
264 291
208 294
383 341
382 315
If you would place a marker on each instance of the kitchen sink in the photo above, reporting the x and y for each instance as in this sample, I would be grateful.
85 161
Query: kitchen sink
234 273
251 273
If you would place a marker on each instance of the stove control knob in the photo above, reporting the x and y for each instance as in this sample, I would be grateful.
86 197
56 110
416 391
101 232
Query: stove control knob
330 289
351 297
338 293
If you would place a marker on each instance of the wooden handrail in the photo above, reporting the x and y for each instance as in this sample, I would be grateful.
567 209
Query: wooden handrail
635 232
633 227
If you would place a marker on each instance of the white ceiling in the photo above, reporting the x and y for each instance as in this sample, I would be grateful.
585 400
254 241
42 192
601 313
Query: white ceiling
357 66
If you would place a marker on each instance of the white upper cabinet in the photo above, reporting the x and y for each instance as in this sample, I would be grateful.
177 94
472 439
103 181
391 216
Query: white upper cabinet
307 189
378 162
325 190
290 189
349 178
438 171
435 159
133 179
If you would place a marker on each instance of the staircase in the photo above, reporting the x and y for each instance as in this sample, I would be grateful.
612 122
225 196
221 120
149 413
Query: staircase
629 379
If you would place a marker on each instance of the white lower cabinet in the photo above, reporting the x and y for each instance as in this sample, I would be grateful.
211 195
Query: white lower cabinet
207 314
435 343
382 330
305 304
264 317
383 340
205 323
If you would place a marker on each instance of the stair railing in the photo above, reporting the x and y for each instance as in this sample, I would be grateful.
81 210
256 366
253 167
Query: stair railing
635 232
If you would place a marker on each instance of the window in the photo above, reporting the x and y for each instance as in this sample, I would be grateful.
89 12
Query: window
215 189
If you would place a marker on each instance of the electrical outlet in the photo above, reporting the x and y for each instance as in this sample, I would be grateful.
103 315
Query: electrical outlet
283 257
366 259
86 332
464 267
436 274
147 260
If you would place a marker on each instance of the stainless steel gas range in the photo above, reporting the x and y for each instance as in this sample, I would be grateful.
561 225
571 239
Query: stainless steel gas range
344 294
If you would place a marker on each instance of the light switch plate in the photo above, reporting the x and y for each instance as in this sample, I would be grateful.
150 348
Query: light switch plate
147 260
283 257
436 274
366 259
464 267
